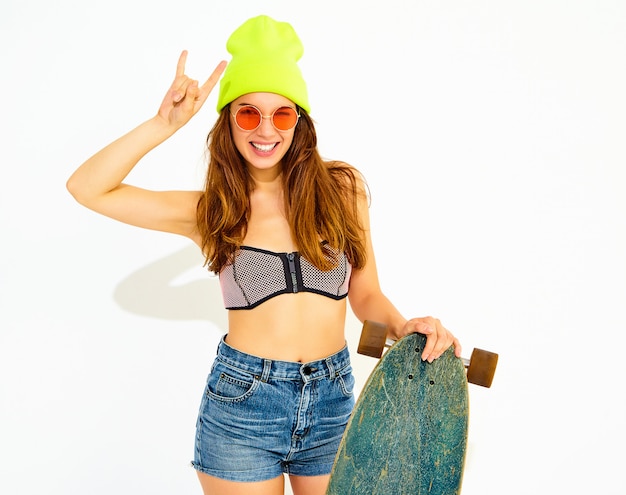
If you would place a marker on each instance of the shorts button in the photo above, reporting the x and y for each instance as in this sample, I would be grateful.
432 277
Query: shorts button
307 370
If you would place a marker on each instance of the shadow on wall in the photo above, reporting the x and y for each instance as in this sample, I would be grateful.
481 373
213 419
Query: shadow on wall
153 291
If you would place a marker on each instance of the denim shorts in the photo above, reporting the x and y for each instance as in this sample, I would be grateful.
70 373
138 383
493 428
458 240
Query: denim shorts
260 418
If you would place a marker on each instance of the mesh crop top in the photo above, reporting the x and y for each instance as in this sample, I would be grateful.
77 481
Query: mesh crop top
257 275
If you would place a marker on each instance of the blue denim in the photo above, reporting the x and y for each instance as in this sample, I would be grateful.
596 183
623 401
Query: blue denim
260 418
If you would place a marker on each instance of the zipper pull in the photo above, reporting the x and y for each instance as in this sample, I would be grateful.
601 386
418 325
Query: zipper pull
291 257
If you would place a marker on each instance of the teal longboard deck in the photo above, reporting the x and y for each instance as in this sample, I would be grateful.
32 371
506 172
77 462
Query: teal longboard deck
408 431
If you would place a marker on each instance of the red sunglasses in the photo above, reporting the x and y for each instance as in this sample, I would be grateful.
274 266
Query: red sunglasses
249 117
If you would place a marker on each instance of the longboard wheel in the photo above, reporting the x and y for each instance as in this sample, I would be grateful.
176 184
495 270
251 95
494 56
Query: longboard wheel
373 339
482 367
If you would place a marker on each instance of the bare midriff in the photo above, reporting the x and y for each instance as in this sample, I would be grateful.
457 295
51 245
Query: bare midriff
299 327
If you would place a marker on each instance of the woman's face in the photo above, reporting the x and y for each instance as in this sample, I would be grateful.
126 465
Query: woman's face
263 147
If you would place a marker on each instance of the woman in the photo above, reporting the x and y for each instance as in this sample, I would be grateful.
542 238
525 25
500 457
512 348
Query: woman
288 234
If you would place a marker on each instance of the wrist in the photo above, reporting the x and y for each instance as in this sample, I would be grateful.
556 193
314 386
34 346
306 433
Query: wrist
162 127
396 330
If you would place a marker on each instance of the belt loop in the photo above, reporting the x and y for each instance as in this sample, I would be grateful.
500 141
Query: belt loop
331 369
267 367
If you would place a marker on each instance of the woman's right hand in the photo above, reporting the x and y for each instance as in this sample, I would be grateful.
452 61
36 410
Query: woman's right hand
185 97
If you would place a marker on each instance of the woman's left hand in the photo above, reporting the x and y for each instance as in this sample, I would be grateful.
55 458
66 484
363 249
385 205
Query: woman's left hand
438 338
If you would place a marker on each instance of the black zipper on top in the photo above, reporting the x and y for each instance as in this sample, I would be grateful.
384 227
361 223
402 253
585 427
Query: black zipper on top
291 258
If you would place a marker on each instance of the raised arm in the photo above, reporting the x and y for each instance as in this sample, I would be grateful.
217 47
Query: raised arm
368 302
98 183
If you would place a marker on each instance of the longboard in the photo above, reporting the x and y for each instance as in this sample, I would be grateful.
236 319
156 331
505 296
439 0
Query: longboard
408 430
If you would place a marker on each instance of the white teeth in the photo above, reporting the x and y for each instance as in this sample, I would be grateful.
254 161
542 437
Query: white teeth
264 147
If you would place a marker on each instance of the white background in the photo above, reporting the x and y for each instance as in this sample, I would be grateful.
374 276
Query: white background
492 137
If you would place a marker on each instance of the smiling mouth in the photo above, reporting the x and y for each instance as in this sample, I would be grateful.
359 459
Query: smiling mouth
264 147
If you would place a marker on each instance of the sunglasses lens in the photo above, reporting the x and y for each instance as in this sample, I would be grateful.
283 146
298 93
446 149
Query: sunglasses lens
248 118
285 118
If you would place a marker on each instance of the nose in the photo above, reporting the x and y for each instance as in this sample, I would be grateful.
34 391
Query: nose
266 127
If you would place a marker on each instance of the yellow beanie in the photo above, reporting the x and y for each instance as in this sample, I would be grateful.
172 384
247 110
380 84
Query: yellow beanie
264 53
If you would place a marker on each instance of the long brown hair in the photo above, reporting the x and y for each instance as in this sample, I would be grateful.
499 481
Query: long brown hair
320 200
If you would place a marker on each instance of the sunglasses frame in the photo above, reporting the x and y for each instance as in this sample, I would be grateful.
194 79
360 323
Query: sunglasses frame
271 117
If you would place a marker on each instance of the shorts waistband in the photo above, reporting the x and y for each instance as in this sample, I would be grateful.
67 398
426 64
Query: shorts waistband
329 367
